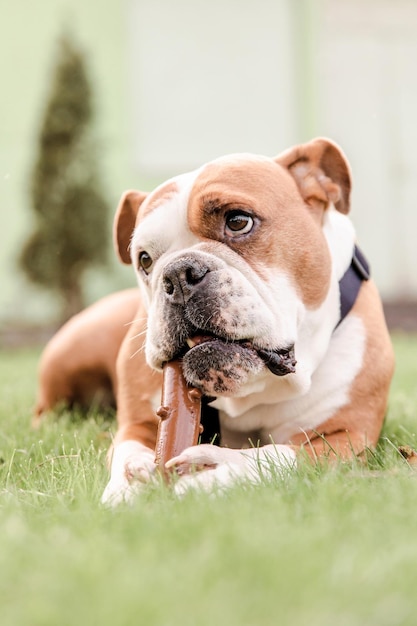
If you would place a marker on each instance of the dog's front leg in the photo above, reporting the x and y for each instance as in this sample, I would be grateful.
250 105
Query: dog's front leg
209 467
133 450
132 465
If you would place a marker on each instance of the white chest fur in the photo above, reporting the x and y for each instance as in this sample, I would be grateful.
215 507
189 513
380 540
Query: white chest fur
329 390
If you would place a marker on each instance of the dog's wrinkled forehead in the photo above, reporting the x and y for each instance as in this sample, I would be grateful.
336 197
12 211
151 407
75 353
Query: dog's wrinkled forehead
254 184
173 192
162 218
229 174
194 201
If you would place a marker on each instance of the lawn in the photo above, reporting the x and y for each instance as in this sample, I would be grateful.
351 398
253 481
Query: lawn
319 547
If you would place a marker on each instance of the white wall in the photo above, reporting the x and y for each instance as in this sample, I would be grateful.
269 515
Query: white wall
208 78
367 73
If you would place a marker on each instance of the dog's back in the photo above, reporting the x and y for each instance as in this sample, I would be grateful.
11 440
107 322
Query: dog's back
78 365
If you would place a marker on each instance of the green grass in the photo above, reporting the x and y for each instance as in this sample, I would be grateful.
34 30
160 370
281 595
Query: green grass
320 547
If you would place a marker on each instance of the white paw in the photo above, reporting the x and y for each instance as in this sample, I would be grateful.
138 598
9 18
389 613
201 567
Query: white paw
133 464
208 468
119 491
211 481
204 456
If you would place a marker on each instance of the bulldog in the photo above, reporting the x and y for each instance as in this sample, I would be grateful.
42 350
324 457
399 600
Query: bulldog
249 272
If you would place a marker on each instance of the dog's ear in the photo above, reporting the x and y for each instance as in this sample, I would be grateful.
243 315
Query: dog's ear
321 172
124 222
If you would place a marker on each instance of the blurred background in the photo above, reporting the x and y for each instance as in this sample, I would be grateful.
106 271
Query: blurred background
174 84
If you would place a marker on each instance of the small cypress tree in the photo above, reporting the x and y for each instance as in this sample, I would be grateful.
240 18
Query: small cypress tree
71 230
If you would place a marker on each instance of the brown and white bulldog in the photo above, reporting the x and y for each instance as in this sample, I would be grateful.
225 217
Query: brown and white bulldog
241 265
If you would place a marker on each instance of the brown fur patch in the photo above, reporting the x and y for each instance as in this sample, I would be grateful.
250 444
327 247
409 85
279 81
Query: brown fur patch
124 222
285 235
137 385
321 171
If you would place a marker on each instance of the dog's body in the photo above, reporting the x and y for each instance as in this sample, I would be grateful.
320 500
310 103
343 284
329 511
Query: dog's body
78 366
239 266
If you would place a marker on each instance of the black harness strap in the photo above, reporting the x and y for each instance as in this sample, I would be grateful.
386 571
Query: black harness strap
351 282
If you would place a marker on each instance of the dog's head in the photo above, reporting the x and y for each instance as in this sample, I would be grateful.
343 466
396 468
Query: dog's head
229 257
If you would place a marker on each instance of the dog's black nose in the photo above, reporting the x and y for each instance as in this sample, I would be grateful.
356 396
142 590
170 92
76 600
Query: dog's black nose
181 278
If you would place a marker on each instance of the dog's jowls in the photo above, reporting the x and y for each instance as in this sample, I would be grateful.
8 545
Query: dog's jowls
238 265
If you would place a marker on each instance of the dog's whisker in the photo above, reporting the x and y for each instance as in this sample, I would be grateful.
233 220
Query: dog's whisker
137 319
138 335
138 351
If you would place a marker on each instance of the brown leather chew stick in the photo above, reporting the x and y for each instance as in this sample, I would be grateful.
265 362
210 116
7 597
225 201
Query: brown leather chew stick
180 415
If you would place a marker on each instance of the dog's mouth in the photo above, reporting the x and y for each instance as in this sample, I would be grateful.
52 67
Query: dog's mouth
280 361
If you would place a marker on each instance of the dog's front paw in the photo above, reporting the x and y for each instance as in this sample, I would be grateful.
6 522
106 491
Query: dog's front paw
203 457
133 465
119 491
208 468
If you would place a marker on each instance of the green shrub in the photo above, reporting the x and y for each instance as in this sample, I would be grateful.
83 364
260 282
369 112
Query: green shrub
71 215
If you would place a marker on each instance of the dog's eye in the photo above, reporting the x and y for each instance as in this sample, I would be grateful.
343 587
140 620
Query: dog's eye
145 262
238 223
